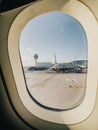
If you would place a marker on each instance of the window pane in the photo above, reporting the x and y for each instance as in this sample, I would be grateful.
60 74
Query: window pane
53 49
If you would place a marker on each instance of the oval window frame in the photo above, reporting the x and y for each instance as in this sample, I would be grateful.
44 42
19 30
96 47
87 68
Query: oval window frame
84 15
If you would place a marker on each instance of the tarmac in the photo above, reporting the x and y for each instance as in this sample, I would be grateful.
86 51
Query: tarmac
56 90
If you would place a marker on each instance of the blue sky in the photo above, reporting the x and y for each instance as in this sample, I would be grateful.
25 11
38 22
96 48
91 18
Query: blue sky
50 33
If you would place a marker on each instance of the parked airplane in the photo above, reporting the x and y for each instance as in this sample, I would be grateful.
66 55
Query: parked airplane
68 67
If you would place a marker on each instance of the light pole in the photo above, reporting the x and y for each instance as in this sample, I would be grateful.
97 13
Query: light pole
55 59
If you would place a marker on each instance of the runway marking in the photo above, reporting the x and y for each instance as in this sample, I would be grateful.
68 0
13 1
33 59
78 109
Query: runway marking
76 86
43 83
39 84
70 81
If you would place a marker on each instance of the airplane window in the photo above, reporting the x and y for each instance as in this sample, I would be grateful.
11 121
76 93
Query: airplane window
54 55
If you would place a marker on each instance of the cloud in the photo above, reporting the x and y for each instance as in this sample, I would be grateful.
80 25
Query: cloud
29 49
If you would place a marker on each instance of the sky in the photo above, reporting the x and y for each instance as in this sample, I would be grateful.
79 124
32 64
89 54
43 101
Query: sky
53 33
